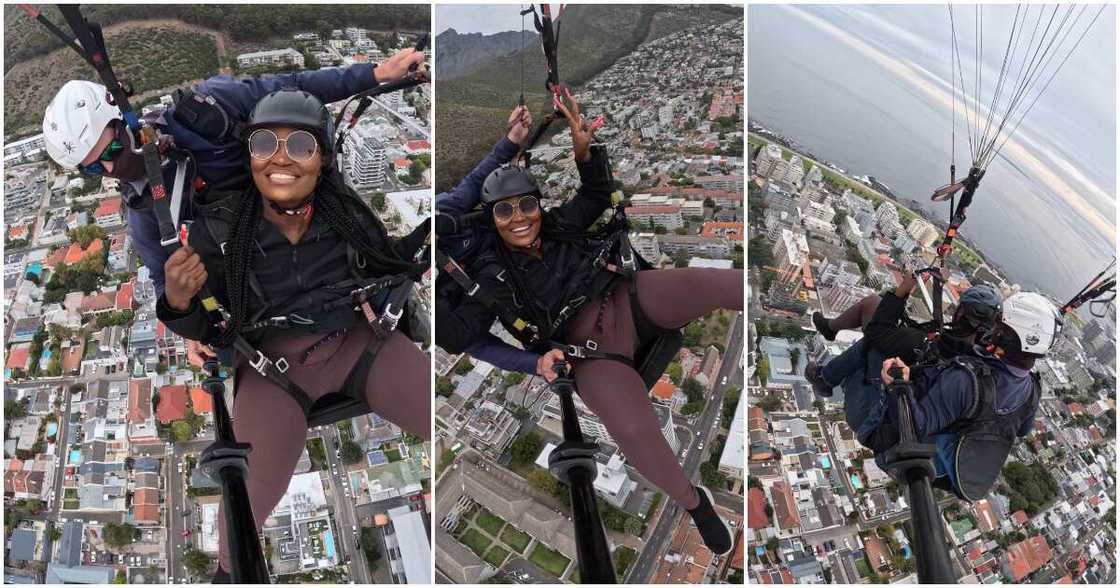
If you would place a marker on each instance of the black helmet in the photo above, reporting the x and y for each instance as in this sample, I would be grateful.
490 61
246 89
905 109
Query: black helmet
507 181
296 109
979 308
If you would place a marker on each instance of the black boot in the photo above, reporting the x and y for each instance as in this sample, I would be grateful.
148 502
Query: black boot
716 534
813 374
221 577
821 324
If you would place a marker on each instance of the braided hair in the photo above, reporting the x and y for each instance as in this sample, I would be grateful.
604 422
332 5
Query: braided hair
381 258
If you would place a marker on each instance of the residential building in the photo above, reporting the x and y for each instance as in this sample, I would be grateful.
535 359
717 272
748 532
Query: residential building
273 57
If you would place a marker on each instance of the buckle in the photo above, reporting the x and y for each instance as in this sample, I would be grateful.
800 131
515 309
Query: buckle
282 365
390 317
473 290
628 261
575 351
592 345
259 363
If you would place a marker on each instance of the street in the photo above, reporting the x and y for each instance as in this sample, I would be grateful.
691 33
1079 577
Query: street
641 572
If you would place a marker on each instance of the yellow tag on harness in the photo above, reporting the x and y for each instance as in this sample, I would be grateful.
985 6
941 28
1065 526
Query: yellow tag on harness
210 303
519 325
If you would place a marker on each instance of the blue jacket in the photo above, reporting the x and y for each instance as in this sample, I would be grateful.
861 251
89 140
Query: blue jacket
944 394
463 198
216 162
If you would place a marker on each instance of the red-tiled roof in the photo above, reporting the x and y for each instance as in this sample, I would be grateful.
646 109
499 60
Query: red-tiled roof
785 510
201 401
985 516
172 403
1025 557
19 357
663 389
108 207
418 145
756 419
756 509
75 253
139 400
72 356
124 297
733 231
98 302
1020 517
145 505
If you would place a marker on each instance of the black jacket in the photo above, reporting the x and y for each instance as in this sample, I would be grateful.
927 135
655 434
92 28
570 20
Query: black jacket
549 280
889 334
310 279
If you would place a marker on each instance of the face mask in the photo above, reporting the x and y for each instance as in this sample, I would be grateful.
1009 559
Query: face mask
128 166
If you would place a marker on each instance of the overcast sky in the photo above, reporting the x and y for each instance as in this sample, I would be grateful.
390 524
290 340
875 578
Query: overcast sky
1068 139
481 18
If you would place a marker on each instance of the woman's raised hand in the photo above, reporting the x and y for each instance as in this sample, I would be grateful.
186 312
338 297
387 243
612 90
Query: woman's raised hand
399 64
520 123
581 132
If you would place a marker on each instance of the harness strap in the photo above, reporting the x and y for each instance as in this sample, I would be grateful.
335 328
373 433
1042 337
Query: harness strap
590 350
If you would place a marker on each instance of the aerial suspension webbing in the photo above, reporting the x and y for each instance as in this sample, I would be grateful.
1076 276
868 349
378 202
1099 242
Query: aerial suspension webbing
549 31
365 98
1100 292
1025 73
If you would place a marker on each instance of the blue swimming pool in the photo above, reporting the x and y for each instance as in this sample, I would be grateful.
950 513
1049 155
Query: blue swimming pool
856 483
75 456
52 428
328 538
825 463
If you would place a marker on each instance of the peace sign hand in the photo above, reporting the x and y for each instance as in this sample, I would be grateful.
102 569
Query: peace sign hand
581 133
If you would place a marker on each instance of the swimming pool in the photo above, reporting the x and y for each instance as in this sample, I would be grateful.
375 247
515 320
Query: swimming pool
75 456
856 483
328 540
825 463
52 428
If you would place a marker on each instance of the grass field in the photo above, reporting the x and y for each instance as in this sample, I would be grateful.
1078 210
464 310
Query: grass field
497 555
489 522
515 539
476 541
549 560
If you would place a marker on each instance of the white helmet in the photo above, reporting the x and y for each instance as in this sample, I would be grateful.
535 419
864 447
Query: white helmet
74 120
1034 319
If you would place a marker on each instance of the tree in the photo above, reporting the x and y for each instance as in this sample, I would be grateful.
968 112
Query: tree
444 387
55 534
86 234
543 481
692 334
181 431
118 536
351 452
377 201
525 448
674 372
712 477
513 378
197 562
14 409
120 578
464 366
634 527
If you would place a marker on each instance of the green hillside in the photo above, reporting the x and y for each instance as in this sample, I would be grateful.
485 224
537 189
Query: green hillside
471 111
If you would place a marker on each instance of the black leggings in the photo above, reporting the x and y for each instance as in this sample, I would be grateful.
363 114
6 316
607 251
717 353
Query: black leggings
615 392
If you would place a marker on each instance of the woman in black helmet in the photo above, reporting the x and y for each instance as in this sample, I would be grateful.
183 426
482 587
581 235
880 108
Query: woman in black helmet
282 250
549 289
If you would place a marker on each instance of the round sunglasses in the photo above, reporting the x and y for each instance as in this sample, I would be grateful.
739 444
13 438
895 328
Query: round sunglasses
527 205
300 145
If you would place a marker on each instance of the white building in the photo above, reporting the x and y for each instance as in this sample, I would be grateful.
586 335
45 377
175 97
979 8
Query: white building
272 57
924 233
668 217
364 158
732 459
613 482
408 541
767 160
